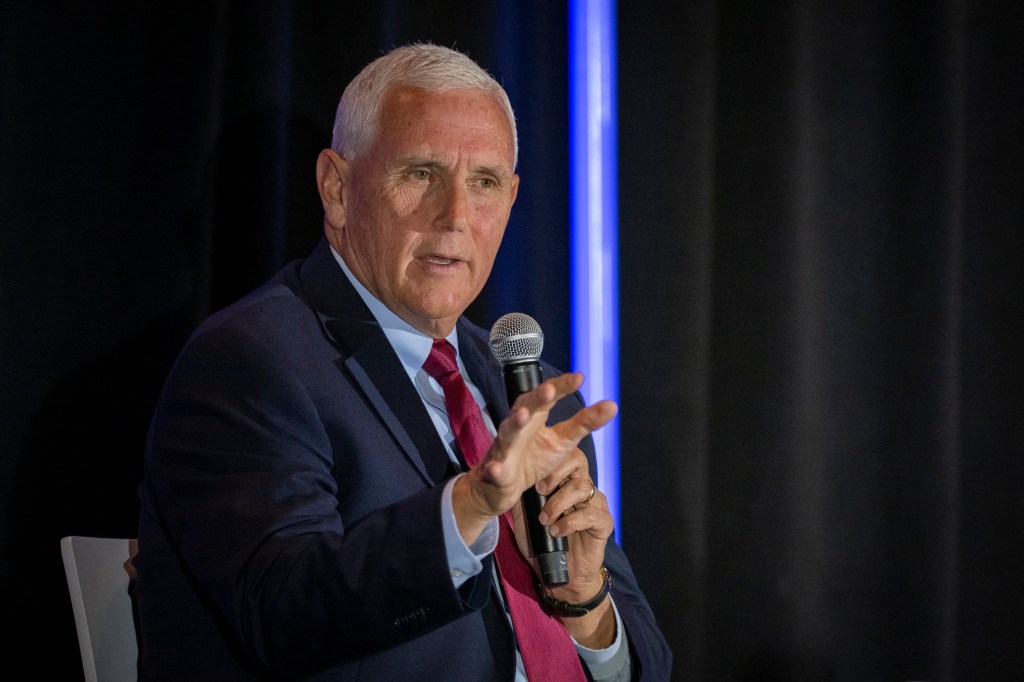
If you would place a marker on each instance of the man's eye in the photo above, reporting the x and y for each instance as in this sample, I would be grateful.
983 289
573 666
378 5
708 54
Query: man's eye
420 174
487 183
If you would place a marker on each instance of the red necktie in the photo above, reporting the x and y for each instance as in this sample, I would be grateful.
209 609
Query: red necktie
547 650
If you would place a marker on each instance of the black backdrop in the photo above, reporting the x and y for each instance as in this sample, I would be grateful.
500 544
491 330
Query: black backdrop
820 217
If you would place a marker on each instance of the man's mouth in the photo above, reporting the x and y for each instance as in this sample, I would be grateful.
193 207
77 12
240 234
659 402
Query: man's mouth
437 260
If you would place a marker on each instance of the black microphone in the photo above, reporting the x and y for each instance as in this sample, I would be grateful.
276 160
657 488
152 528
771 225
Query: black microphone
516 341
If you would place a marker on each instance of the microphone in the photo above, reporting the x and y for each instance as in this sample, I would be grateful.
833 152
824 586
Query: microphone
516 341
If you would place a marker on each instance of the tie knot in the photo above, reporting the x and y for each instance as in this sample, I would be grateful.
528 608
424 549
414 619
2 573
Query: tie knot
441 360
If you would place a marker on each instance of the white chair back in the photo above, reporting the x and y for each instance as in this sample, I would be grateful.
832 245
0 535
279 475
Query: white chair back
98 583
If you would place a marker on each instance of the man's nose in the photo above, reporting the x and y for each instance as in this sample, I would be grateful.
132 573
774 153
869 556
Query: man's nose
454 214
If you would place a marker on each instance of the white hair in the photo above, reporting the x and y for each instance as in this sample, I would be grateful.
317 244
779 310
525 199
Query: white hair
421 65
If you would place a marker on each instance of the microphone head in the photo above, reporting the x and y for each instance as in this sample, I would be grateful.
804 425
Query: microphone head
516 337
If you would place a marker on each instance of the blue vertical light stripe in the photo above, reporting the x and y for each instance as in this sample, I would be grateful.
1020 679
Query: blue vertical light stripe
594 221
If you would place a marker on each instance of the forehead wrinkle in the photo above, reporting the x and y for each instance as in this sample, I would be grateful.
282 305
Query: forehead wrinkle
406 105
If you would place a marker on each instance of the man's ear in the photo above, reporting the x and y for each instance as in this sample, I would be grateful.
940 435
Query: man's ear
331 176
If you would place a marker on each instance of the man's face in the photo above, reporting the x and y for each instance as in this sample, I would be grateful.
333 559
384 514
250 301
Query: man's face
426 207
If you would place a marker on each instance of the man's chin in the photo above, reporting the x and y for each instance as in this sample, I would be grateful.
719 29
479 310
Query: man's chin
433 322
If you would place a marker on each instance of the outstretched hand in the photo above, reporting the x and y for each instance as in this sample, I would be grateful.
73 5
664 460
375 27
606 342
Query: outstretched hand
527 450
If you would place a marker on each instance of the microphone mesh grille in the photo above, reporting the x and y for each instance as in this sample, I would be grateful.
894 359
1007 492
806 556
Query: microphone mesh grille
515 337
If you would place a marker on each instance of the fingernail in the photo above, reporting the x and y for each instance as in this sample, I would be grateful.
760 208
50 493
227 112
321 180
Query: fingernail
543 518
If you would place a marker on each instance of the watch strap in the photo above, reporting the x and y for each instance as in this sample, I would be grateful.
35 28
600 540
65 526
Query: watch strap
564 609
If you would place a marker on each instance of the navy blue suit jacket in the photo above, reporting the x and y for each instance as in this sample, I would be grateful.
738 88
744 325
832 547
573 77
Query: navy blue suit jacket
290 524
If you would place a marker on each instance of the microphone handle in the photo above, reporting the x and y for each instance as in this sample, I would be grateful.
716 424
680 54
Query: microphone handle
520 378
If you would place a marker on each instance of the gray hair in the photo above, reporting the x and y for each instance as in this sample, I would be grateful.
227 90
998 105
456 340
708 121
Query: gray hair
429 67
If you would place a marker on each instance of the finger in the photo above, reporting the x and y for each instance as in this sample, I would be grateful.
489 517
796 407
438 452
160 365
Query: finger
575 493
576 466
590 495
592 518
586 421
531 409
530 412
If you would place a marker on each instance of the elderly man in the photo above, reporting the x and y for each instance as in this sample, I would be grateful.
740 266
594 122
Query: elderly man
333 480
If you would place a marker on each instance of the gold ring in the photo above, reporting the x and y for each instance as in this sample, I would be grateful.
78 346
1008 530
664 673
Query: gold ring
593 489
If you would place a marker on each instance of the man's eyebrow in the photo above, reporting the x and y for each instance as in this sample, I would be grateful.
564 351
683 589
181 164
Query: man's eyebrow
418 161
500 173
401 166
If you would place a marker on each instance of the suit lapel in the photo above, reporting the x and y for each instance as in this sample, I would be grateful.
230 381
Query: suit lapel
387 387
368 358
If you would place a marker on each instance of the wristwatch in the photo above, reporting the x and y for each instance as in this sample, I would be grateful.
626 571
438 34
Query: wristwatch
557 607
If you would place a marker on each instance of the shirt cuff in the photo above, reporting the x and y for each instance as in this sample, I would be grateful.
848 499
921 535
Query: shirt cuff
613 662
464 561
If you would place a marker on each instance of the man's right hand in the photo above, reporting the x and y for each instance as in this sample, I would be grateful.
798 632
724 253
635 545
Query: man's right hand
525 451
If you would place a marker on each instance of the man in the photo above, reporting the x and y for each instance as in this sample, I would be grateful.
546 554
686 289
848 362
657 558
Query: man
308 508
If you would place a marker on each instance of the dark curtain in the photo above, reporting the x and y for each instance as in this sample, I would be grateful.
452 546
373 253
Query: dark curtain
820 218
821 215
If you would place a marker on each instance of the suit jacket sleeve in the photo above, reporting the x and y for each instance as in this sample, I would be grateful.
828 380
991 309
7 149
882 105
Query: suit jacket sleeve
254 432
